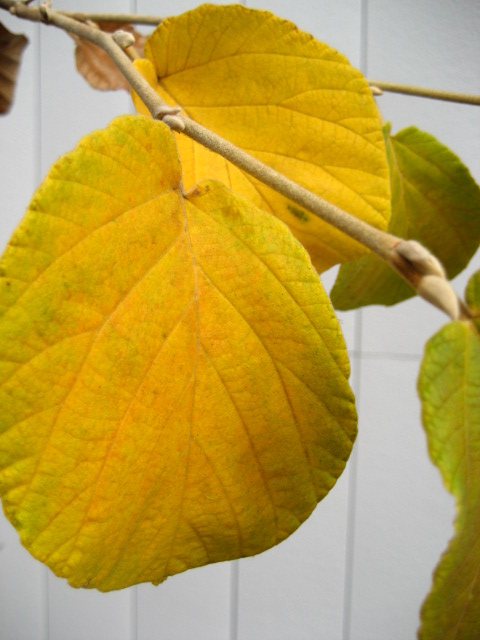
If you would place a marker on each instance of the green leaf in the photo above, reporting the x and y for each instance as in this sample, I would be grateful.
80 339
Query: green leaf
435 201
472 294
449 387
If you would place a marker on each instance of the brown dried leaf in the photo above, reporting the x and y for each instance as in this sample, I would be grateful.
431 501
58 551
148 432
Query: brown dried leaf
11 49
97 67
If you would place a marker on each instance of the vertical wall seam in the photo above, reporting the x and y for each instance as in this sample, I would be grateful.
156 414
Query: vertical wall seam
356 357
234 587
37 114
356 382
364 37
133 612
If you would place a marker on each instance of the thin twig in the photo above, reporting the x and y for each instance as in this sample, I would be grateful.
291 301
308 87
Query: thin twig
124 18
447 96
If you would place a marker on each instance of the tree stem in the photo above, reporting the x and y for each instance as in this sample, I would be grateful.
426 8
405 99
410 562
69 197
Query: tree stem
113 17
126 18
447 96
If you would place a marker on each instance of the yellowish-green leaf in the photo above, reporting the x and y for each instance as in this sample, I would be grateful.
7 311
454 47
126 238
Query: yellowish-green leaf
449 387
435 200
472 296
174 382
287 99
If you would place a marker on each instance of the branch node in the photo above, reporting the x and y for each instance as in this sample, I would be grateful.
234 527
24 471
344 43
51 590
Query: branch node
420 257
123 39
174 122
169 115
44 11
166 110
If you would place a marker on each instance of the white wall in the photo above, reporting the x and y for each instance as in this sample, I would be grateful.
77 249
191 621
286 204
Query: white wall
360 567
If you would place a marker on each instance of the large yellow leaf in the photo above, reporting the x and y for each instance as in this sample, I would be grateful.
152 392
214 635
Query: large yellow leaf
289 100
173 378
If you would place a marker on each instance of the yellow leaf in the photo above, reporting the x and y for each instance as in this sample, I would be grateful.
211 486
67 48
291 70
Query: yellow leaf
174 382
287 99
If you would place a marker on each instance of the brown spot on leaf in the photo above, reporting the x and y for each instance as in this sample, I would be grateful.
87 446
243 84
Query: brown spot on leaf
298 213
